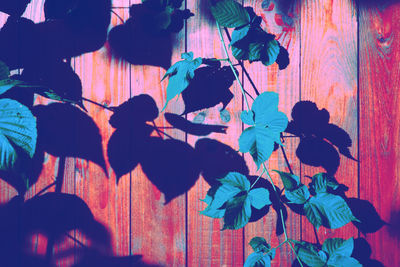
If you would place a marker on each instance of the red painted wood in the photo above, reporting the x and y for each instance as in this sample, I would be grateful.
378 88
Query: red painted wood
379 56
329 78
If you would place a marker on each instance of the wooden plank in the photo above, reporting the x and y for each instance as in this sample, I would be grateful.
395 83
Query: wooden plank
329 78
286 84
158 229
207 244
379 69
105 80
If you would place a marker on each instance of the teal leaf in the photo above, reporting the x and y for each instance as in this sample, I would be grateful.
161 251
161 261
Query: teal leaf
259 198
239 34
271 53
259 142
224 115
213 213
17 128
290 181
338 246
329 210
309 254
343 261
180 74
229 13
255 51
236 179
322 181
259 244
238 212
258 259
247 117
239 54
298 196
7 84
4 71
264 106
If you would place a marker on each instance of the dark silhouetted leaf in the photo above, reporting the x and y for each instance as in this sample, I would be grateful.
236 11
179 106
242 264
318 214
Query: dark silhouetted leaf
64 130
193 128
217 160
370 221
209 87
177 166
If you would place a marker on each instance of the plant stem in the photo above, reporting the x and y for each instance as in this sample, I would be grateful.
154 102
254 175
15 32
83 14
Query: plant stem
45 189
243 67
258 178
230 64
281 214
97 104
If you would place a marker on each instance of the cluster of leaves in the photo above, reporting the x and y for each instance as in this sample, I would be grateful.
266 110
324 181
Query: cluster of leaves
324 208
163 15
249 40
232 200
202 87
335 252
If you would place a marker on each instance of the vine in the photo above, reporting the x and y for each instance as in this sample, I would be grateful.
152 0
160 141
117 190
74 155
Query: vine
235 196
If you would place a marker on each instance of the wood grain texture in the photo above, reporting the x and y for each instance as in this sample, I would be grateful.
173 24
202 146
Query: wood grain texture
286 84
329 78
105 80
207 244
379 56
158 229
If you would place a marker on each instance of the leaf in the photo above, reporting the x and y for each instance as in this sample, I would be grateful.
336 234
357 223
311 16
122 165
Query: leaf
259 198
271 53
343 261
308 254
224 115
237 180
180 74
232 184
65 130
259 142
7 84
338 246
238 212
328 210
4 71
239 34
322 181
56 80
290 181
257 259
229 13
265 107
247 117
259 244
17 128
298 196
209 87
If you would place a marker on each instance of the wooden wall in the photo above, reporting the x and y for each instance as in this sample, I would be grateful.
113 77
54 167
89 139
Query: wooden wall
344 56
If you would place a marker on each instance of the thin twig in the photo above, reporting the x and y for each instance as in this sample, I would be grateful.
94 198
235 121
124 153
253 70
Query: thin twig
97 104
45 189
258 178
118 16
243 67
230 64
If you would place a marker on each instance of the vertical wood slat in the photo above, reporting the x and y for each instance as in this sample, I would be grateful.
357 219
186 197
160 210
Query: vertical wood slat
158 230
286 84
207 244
329 78
105 80
379 70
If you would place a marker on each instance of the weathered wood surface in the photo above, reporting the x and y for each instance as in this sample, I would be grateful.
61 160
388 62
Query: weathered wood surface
344 57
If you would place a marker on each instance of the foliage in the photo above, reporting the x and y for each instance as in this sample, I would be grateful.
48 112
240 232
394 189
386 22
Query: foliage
235 195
